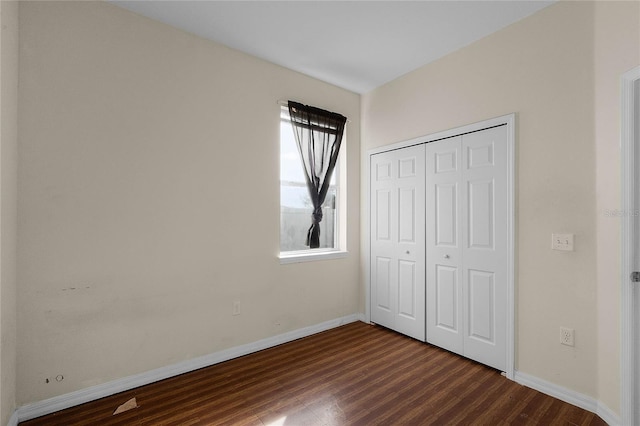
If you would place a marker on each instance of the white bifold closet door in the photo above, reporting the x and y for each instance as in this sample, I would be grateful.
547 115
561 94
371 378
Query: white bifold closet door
397 240
466 245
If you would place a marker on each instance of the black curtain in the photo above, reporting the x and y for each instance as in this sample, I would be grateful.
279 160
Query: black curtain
318 134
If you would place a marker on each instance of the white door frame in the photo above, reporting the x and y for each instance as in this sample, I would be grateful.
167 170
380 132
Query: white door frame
628 150
508 120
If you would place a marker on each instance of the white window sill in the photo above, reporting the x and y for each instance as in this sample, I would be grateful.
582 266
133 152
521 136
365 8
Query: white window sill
298 257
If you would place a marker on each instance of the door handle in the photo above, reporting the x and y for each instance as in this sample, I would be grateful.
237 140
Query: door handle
446 256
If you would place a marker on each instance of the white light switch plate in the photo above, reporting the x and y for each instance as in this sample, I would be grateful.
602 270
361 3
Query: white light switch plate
562 242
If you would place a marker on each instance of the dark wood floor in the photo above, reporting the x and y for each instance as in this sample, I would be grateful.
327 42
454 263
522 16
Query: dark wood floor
356 374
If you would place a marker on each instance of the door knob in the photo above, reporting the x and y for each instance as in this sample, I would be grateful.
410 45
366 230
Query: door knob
408 252
446 256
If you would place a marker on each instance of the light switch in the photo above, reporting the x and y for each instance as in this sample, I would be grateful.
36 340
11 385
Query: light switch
562 242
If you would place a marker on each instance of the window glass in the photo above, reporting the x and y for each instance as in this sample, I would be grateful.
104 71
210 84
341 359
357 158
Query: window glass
295 204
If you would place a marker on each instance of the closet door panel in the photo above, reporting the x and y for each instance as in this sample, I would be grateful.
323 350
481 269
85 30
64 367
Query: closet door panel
397 243
443 245
384 284
484 180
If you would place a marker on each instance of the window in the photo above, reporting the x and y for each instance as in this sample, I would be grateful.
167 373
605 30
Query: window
296 206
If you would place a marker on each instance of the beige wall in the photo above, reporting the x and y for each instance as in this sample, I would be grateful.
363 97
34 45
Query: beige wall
542 68
8 204
149 199
617 50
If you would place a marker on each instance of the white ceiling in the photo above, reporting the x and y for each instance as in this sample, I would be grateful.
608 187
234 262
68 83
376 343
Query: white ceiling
357 45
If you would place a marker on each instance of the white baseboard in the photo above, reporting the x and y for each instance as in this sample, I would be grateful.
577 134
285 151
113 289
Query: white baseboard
61 402
13 420
606 414
567 395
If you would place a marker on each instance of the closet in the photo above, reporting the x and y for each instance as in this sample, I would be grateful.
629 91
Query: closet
440 229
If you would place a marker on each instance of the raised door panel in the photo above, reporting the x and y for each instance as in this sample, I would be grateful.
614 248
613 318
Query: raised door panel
446 159
407 167
382 269
481 289
382 170
446 212
408 305
383 214
407 207
383 291
446 298
480 208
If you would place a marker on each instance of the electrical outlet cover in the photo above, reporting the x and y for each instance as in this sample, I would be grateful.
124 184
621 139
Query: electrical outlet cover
567 336
562 242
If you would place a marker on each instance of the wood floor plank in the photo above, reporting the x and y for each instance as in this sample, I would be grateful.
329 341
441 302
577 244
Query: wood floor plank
356 374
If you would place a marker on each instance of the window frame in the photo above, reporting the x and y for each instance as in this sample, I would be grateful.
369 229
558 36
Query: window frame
339 249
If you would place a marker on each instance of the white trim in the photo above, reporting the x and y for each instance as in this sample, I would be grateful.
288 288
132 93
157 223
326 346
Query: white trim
567 395
298 257
13 420
511 245
508 120
563 394
61 402
608 415
628 373
365 229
